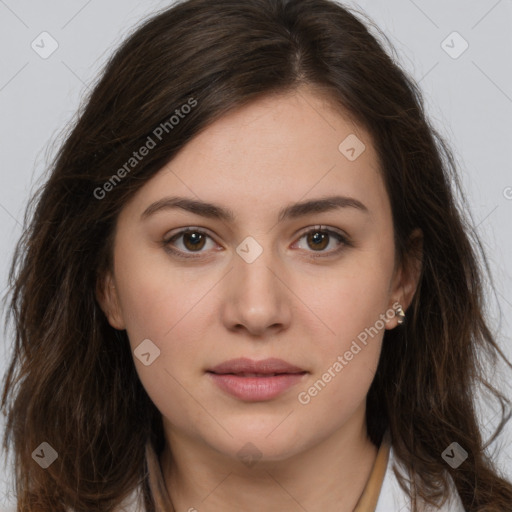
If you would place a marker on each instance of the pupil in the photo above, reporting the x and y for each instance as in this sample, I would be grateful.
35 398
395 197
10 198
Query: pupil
319 237
193 239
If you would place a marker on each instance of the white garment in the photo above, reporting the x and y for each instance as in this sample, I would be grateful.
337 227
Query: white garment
392 497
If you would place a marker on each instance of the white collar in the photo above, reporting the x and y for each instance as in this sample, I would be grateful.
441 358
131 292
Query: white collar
393 498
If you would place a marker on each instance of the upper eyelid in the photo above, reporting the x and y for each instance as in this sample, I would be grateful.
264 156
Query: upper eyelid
194 229
321 227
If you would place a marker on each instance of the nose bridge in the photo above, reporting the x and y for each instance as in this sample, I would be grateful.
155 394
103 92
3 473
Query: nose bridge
253 267
256 299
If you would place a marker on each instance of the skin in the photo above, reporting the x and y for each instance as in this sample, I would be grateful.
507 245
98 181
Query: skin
200 312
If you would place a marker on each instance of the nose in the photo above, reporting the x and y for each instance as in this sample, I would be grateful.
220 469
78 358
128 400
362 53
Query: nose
256 297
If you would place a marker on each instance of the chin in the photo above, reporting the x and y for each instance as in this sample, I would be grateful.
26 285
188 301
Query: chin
264 445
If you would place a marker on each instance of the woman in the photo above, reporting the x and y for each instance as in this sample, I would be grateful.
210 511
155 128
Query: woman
246 284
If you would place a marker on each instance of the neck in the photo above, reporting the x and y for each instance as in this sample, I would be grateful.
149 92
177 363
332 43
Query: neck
329 476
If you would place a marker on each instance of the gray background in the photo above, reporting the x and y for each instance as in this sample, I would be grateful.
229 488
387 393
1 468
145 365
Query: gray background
468 98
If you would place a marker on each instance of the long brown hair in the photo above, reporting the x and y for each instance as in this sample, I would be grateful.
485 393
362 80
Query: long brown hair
72 380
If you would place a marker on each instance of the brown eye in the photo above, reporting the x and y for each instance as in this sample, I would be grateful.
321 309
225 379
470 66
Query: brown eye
194 240
187 242
317 240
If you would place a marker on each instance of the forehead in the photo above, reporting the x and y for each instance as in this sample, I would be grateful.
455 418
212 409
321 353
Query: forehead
276 150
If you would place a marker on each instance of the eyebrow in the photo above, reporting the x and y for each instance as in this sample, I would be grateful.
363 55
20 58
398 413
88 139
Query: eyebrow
291 211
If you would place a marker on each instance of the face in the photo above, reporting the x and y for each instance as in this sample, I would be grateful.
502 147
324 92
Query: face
256 277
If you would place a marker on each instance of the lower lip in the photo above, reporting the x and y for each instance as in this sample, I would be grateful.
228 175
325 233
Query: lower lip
256 389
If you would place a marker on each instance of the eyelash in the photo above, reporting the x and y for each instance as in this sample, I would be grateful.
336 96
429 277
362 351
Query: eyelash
343 239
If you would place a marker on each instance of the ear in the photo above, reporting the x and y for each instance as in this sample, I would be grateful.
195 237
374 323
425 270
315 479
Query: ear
407 275
108 299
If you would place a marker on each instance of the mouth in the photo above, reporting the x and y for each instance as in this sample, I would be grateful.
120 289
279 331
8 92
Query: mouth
265 367
246 374
256 381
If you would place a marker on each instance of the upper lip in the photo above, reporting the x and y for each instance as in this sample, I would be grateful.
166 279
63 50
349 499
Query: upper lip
265 366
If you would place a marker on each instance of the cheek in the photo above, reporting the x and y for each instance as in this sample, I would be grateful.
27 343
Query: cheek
154 296
352 306
347 360
351 302
171 308
167 316
173 318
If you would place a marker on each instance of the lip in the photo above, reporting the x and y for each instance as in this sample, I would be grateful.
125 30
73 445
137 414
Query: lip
255 381
265 366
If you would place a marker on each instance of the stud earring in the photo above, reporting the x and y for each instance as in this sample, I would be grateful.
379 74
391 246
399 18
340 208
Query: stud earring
400 315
